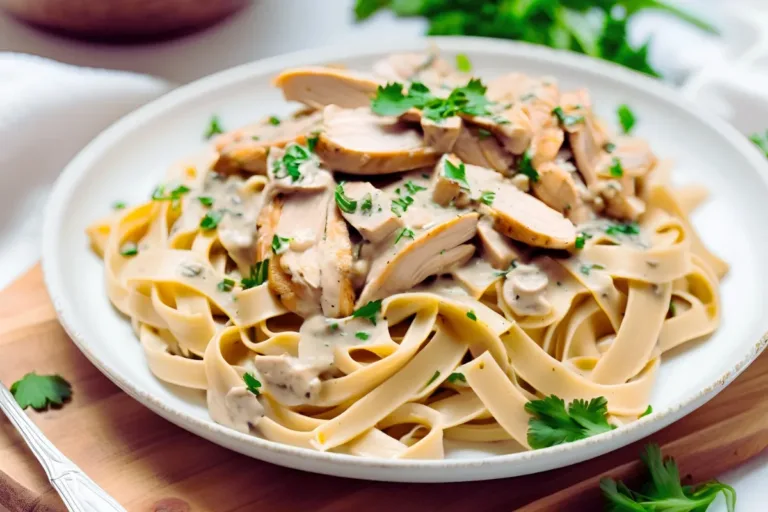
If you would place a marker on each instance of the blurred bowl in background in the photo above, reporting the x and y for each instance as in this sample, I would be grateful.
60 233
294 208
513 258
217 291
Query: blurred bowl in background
121 19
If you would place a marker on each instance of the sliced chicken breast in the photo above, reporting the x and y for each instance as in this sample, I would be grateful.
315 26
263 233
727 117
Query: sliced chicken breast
338 295
318 87
373 217
478 148
498 249
558 189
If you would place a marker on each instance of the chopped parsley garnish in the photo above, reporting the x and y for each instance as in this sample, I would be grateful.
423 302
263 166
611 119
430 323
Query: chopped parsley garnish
463 63
118 205
471 315
483 133
581 239
258 275
629 228
159 193
664 490
274 120
616 170
412 188
362 335
567 120
526 166
252 383
280 244
367 204
469 99
225 285
211 220
626 118
214 127
333 326
647 411
433 378
487 197
404 232
552 424
344 203
586 269
40 391
129 249
205 200
503 273
456 174
456 377
294 156
761 141
369 311
312 142
672 311
609 147
401 204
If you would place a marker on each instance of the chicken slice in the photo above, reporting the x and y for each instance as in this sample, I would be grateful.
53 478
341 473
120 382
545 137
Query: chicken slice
246 149
266 224
509 123
338 295
407 262
427 68
318 87
586 138
442 135
498 249
375 221
477 148
558 188
357 141
294 272
635 155
618 203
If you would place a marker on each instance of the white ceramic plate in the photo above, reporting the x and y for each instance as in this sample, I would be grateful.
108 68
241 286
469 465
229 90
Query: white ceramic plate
127 160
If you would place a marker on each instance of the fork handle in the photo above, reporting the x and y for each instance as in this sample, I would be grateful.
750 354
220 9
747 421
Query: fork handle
78 492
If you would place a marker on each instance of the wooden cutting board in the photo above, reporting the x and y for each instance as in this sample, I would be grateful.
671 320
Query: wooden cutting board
148 464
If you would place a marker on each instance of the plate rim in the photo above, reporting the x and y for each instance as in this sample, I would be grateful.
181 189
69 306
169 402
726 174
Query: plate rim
339 464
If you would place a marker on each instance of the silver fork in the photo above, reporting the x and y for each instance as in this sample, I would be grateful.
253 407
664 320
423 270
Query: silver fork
78 492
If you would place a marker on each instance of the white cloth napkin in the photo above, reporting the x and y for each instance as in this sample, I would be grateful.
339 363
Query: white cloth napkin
48 112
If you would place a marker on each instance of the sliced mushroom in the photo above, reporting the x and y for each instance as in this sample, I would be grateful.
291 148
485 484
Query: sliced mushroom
477 148
294 275
409 261
357 141
375 223
287 380
246 149
318 87
338 295
558 188
498 249
524 291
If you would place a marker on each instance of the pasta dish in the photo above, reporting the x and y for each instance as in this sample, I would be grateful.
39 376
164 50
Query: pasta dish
416 255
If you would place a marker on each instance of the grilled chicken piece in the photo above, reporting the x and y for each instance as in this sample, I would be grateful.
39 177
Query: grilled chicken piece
476 148
429 69
441 136
338 295
636 157
294 275
408 262
558 189
318 87
618 203
375 223
246 149
359 142
498 249
586 138
266 224
511 126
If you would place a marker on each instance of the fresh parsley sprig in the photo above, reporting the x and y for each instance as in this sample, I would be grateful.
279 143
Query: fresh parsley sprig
369 311
391 100
40 391
552 424
259 273
345 203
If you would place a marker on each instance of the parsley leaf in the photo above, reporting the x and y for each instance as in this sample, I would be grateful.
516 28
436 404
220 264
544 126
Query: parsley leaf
404 232
225 285
391 101
345 204
118 205
647 411
412 188
368 311
664 490
487 197
525 166
252 383
586 269
471 315
258 275
629 228
362 335
456 174
616 170
129 249
205 200
280 244
456 377
214 127
159 193
626 118
552 424
433 378
211 220
581 239
39 391
367 205
274 120
295 155
566 120
401 204
312 141
463 63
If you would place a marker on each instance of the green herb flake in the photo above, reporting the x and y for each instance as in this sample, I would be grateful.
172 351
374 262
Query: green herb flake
312 142
118 205
487 197
404 233
471 315
159 193
483 134
586 269
456 174
463 63
345 204
205 200
503 273
362 335
664 490
581 239
295 155
333 326
258 275
629 228
525 166
552 424
400 205
456 377
647 411
369 311
214 127
367 204
567 120
433 378
672 311
274 120
280 244
225 285
40 391
626 118
252 383
412 187
211 220
616 170
129 249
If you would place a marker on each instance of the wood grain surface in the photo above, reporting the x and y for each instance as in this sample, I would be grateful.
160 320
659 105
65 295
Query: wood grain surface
148 464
